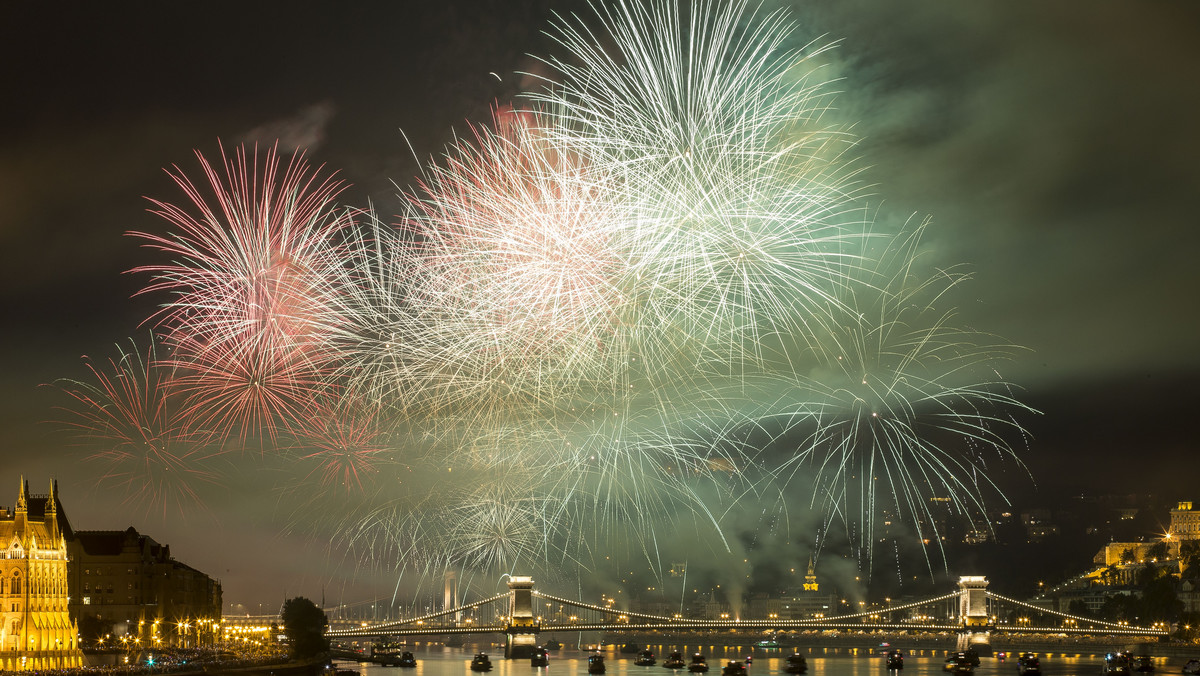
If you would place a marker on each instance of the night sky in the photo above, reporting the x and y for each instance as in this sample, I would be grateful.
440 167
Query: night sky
1053 145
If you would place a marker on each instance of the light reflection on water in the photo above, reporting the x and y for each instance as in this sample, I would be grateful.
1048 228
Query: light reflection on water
438 660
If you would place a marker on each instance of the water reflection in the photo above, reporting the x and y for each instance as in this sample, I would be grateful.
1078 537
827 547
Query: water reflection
439 660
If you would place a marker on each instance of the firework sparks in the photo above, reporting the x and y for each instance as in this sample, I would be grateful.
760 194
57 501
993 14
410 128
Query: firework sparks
127 416
249 285
735 223
346 448
902 407
518 273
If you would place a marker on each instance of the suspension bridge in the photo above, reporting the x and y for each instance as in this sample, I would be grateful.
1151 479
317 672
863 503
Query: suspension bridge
970 611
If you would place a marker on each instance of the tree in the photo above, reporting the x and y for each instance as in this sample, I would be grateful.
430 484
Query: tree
1160 603
1159 551
1189 557
1149 573
1119 607
304 624
92 628
1110 575
1080 608
1129 555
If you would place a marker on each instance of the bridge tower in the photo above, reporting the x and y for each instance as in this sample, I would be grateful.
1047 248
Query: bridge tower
522 627
973 614
450 593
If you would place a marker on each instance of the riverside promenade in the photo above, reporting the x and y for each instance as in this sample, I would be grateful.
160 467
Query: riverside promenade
197 663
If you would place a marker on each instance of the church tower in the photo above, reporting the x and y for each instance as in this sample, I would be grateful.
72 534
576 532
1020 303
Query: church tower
810 578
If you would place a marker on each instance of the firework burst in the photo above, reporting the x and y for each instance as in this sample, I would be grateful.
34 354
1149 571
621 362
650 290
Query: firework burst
518 273
134 428
903 406
250 288
346 447
736 220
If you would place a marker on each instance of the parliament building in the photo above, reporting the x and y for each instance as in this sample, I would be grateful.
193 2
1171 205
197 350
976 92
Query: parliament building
36 629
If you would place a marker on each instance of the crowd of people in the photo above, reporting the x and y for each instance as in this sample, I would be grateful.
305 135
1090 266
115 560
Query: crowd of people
177 661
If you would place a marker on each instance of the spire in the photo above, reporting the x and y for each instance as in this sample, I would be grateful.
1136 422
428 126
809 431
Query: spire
51 518
20 514
22 506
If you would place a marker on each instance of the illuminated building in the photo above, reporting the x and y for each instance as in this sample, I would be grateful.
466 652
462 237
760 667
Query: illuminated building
808 602
1185 525
1185 522
810 577
36 630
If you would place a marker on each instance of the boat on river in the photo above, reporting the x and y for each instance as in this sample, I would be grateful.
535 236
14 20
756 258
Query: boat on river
795 664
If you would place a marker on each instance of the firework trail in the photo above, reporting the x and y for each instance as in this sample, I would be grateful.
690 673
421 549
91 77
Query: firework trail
126 415
378 338
249 288
735 195
346 447
903 406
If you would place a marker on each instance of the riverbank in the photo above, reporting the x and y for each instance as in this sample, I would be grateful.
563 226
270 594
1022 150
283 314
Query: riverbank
109 664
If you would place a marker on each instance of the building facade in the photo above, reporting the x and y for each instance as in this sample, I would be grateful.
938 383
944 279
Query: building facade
36 629
1185 522
128 581
808 602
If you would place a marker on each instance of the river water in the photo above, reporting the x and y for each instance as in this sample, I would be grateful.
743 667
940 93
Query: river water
439 660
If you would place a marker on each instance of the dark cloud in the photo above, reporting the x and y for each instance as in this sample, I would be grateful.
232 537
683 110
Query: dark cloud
1052 146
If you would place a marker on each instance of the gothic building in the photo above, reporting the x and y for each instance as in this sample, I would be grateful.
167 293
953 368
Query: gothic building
36 630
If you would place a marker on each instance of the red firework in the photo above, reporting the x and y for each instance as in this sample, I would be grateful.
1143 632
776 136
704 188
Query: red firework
245 389
345 448
129 420
252 301
519 246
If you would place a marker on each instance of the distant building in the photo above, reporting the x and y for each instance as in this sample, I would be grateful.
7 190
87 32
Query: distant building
764 607
709 608
808 602
976 536
810 577
1118 553
36 629
653 607
1189 595
1037 525
1185 522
